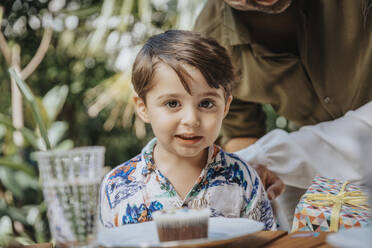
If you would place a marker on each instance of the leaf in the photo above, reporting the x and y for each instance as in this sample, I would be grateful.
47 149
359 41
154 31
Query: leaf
8 240
24 240
27 181
17 166
100 32
31 99
144 10
29 116
3 204
65 145
125 12
17 214
57 131
5 226
32 215
9 182
26 214
54 100
2 131
41 231
27 133
271 116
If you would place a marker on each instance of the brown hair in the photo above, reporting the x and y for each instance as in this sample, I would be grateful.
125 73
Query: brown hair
175 48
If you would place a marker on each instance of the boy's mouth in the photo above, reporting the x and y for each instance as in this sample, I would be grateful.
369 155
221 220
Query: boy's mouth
189 139
266 2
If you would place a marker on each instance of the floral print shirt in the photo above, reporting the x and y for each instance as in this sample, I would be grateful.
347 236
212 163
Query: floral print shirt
133 191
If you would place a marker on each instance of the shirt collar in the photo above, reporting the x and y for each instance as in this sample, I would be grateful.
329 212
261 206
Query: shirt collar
147 157
235 33
148 151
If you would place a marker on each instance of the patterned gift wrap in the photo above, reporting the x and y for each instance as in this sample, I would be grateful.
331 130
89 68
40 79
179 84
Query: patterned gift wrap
331 205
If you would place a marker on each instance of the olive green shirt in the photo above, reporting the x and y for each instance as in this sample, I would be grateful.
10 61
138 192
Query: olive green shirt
330 73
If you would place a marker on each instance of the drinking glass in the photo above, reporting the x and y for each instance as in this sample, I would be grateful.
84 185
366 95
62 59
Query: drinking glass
70 182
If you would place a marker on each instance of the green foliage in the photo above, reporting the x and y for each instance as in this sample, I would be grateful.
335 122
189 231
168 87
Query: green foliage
273 120
23 213
78 60
68 70
29 97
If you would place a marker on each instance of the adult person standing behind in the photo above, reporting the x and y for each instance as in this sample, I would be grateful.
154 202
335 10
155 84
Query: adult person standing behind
312 61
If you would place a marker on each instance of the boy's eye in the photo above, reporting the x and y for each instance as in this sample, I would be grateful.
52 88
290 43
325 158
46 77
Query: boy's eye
206 104
172 104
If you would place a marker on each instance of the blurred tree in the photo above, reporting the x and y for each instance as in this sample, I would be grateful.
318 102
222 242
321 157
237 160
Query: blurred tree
96 42
86 69
12 59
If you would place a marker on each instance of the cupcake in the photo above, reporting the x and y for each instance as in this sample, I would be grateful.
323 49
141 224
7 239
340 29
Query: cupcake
182 224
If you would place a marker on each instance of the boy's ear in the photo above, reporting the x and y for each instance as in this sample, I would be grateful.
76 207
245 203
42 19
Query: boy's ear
141 109
227 105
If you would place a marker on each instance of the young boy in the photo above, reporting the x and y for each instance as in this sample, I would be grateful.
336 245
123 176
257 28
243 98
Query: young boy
183 85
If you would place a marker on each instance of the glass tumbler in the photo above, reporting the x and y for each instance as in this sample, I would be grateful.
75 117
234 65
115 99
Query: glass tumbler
70 182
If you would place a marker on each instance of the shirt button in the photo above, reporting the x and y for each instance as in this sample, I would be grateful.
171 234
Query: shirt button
327 99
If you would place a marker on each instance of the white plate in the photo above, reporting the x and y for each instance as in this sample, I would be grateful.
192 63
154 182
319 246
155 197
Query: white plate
351 238
221 231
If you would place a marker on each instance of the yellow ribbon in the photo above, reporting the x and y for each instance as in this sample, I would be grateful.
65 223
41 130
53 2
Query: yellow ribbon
354 198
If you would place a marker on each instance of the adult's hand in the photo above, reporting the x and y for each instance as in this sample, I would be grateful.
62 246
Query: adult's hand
273 184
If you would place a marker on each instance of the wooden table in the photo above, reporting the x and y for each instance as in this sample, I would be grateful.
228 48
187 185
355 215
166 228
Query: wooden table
270 239
274 239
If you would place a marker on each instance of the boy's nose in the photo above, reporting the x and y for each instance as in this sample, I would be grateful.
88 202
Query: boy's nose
190 117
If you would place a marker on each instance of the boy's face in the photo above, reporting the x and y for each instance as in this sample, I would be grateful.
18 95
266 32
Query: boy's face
184 124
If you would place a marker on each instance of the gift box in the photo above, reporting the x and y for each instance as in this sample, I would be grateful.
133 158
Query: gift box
331 205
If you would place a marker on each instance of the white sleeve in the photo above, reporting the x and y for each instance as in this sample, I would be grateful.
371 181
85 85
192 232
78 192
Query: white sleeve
336 149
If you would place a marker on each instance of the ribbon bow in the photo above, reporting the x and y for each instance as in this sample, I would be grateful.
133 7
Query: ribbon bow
354 198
